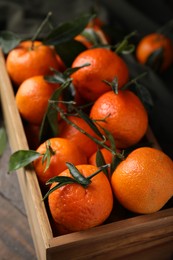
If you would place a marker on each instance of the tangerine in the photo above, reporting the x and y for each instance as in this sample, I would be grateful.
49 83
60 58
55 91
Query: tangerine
75 208
143 182
32 98
62 150
30 59
104 64
154 42
123 115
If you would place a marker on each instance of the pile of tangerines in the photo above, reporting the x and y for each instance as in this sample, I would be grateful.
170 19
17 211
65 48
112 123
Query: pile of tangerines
83 166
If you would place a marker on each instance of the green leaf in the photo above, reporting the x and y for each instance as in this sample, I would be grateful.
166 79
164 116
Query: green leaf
113 85
124 47
21 159
100 169
134 80
62 181
68 51
70 71
67 31
3 140
111 139
99 158
100 161
115 161
43 24
61 78
47 155
128 49
57 77
90 122
8 41
77 178
155 60
91 36
77 175
49 126
145 96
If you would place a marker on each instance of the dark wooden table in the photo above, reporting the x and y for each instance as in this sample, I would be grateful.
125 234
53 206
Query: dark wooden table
15 236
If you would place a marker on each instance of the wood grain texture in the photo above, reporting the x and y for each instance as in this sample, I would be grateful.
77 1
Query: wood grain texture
135 236
15 235
37 216
15 238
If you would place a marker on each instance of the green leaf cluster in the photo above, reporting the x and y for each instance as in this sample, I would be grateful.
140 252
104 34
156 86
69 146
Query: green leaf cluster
77 177
61 37
9 40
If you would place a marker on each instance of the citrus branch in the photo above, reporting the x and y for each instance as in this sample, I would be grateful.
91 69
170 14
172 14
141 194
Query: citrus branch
134 81
40 28
100 143
78 178
101 168
124 46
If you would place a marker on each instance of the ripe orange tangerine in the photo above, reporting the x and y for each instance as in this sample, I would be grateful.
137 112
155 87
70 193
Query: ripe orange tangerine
32 98
30 59
62 150
75 208
104 64
123 115
143 182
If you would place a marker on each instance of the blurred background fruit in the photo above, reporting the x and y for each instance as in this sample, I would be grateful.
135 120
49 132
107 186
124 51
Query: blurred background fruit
103 64
155 50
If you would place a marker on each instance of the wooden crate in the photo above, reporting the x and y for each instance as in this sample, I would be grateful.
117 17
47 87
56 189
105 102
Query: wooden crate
145 236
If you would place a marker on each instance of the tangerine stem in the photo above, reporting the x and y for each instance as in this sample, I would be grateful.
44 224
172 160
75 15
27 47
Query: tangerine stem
99 170
134 81
119 47
101 143
40 28
165 28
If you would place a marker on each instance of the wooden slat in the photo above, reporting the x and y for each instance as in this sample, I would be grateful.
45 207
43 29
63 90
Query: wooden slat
37 216
133 236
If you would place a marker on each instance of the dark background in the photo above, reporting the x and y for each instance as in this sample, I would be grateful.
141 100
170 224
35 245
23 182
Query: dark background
24 17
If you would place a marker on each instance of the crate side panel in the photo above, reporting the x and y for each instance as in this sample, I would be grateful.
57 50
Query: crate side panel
120 239
37 216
